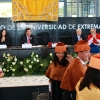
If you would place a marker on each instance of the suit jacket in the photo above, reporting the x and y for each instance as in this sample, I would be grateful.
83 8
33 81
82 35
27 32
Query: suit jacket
24 39
75 39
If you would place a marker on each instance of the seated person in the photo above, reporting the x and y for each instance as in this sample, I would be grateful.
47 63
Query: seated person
27 37
93 38
4 38
78 36
88 88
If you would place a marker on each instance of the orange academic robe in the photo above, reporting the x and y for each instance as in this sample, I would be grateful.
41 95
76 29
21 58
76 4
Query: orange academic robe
72 75
87 94
55 73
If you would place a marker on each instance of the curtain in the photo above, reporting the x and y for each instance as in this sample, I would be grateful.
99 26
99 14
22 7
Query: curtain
35 10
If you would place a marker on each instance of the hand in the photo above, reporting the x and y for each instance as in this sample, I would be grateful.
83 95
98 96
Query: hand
3 39
50 87
94 36
80 38
69 58
28 42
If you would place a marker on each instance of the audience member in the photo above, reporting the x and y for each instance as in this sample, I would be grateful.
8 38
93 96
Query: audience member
56 70
75 70
27 37
88 87
93 38
4 38
78 36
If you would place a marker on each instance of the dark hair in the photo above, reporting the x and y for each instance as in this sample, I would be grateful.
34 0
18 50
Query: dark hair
63 62
92 75
6 35
27 29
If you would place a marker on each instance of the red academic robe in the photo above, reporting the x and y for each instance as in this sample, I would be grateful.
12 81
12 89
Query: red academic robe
72 75
94 41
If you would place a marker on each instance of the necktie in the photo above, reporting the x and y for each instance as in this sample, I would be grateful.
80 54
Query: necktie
28 39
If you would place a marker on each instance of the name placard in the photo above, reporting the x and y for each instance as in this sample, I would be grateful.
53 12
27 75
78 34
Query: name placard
54 44
26 45
3 46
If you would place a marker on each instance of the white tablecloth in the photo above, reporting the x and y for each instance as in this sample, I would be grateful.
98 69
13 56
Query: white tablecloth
23 81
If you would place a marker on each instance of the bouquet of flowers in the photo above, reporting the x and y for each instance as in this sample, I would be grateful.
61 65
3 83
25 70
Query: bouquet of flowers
10 65
34 64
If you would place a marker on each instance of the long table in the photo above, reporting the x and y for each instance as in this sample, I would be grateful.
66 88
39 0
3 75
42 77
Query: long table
22 53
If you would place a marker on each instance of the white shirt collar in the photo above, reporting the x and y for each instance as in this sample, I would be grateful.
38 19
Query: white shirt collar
78 37
81 61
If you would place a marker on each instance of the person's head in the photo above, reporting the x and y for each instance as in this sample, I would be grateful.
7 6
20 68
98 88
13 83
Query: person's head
3 32
94 49
78 32
93 31
82 48
60 54
92 74
28 32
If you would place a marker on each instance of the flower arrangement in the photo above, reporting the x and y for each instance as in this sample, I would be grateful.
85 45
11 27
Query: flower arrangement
34 64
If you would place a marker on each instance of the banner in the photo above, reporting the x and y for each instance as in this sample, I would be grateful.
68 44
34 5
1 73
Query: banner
35 10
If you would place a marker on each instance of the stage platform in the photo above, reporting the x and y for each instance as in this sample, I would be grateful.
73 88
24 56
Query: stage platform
24 88
23 81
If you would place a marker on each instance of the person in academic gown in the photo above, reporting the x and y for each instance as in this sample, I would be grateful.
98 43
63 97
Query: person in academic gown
88 87
56 70
75 70
94 37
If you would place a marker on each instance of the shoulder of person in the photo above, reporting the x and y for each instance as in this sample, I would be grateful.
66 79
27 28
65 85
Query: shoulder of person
90 34
78 83
51 64
75 62
97 33
32 35
8 36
